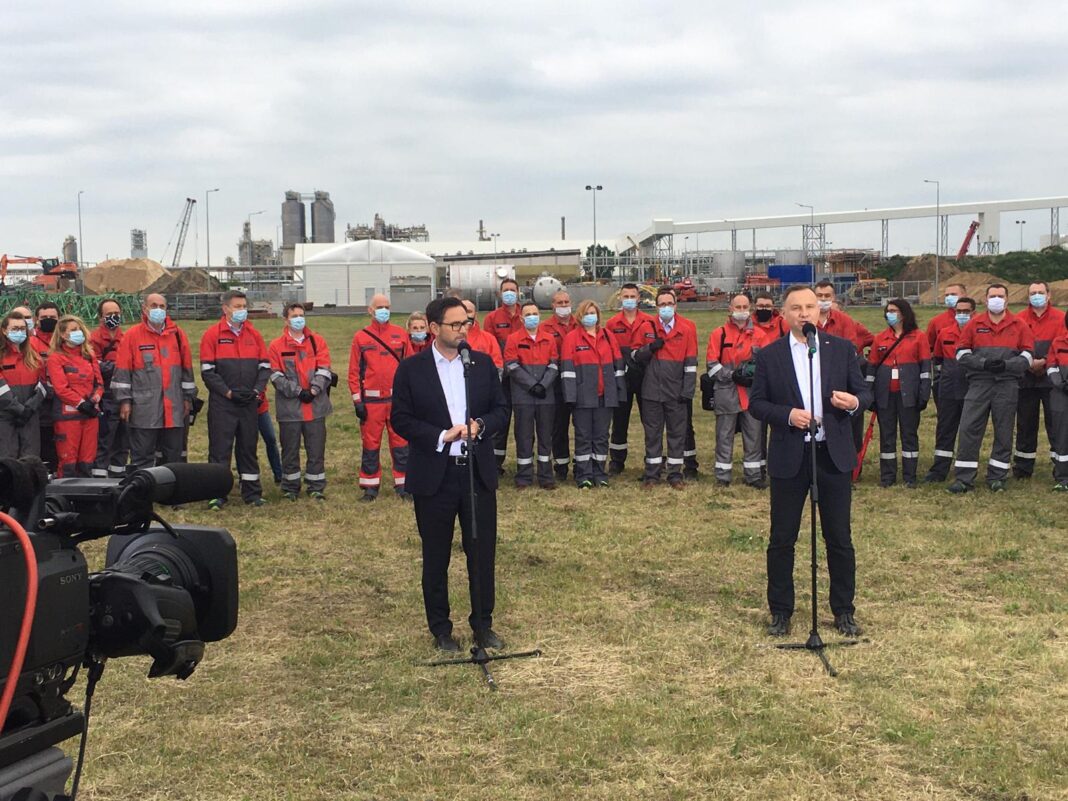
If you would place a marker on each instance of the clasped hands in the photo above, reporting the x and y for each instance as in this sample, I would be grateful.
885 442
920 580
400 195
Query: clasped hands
847 402
459 431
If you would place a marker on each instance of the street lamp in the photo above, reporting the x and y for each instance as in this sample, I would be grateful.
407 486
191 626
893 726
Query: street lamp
207 222
595 189
938 226
1021 223
81 244
251 214
494 238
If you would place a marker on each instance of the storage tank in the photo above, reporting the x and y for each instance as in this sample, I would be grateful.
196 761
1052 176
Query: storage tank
480 282
544 288
729 264
322 218
789 257
293 231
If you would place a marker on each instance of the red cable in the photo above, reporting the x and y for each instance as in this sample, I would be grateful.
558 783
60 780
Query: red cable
27 613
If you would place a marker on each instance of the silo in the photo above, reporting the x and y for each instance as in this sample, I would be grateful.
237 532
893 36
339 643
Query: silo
70 249
322 218
293 232
729 264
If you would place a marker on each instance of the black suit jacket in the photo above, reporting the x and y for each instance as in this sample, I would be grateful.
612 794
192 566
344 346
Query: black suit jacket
776 392
420 413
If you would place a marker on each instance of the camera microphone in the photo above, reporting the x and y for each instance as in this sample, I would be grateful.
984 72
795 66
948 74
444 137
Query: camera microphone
809 330
178 483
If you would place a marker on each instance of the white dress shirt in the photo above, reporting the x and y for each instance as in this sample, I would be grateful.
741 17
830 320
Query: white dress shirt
799 352
451 376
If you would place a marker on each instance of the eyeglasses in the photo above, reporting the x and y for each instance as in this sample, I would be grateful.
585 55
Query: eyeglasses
458 326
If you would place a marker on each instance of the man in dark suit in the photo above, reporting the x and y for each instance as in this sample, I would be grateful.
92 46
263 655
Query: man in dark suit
780 397
430 411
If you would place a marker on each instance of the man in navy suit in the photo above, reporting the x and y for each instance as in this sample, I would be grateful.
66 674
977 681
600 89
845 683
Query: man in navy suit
780 397
430 411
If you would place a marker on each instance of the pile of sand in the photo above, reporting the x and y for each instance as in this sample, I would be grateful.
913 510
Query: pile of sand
977 282
130 276
185 280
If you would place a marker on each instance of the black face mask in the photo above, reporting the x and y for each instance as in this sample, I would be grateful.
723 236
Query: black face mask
763 315
112 321
47 324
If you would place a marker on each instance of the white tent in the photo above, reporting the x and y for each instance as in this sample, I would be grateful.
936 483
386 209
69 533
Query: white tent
352 273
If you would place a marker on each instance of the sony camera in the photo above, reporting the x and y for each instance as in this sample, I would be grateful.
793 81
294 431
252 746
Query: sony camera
164 592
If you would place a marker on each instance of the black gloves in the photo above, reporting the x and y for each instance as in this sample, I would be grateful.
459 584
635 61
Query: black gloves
656 344
25 416
87 408
921 405
243 397
306 396
994 366
361 410
741 379
538 391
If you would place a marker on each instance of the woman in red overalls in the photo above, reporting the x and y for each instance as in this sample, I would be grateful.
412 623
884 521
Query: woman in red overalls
21 391
75 378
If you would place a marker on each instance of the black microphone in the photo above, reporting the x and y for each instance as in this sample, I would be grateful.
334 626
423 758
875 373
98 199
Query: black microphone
178 483
465 352
809 330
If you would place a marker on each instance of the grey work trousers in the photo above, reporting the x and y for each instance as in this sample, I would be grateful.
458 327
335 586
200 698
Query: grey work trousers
727 425
146 443
234 429
656 417
18 441
591 443
112 444
949 411
1058 402
892 417
996 400
313 433
533 420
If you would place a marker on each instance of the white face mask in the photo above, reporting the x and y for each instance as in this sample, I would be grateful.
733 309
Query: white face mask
563 312
825 305
740 316
995 305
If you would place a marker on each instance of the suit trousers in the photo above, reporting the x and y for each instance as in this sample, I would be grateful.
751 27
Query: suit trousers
1027 407
892 417
435 515
531 420
948 424
313 432
789 497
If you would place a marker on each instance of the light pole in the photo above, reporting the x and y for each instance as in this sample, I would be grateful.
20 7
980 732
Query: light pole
938 227
686 251
494 238
595 189
207 223
1021 224
251 214
81 244
804 239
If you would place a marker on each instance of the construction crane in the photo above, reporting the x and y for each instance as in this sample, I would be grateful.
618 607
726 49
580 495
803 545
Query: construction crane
53 270
180 230
968 239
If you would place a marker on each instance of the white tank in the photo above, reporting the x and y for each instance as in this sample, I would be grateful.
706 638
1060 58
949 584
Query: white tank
728 264
790 257
480 282
544 288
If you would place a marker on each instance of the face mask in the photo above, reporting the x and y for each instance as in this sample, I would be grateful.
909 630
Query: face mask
76 337
531 321
589 320
740 317
995 305
239 316
157 316
825 305
48 324
1039 301
18 337
419 336
893 318
764 315
962 319
563 312
629 304
667 313
297 323
112 321
509 297
382 316
951 301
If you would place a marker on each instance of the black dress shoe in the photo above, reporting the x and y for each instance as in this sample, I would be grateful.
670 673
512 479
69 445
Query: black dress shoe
488 638
846 625
779 626
446 642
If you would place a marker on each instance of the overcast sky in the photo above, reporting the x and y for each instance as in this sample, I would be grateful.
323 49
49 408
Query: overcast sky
445 113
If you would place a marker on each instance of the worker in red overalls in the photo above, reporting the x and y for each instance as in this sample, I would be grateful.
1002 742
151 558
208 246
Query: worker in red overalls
78 388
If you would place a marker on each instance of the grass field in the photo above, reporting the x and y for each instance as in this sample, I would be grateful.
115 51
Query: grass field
656 680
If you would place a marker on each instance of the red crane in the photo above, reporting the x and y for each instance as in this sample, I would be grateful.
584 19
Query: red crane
968 239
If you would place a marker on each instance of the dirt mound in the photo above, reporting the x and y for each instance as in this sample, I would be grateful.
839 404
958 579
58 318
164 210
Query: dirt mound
185 280
977 282
130 276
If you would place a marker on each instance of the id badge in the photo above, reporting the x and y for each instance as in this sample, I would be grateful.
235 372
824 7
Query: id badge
894 375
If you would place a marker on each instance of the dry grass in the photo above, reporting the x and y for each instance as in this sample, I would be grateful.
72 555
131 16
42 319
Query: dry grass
656 682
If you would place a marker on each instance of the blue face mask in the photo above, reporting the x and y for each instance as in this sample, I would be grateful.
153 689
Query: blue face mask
18 337
239 316
531 321
509 296
1039 301
382 316
893 318
951 301
418 336
667 313
589 320
157 316
297 323
962 319
629 304
76 337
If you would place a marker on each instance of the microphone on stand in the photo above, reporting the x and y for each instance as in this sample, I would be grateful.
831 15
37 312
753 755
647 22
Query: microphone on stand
809 330
465 353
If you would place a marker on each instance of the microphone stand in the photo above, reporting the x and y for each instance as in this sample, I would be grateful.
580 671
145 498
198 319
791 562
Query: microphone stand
478 652
814 642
